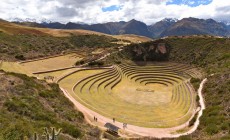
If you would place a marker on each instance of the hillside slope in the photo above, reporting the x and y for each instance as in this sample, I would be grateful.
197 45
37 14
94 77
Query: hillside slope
32 105
209 53
213 56
23 42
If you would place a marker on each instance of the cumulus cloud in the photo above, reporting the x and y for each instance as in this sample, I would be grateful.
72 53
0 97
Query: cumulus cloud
90 11
66 12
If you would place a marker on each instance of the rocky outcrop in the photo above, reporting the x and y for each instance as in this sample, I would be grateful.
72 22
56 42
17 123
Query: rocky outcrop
149 51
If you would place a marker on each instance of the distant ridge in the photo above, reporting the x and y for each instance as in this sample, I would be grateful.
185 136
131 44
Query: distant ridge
194 26
165 27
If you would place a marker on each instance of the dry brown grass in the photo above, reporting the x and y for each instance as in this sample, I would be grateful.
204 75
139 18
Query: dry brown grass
52 63
12 28
133 38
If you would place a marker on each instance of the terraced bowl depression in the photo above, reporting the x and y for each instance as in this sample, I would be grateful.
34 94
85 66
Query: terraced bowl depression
154 95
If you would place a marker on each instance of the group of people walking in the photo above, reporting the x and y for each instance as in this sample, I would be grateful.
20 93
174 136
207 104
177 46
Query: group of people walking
95 119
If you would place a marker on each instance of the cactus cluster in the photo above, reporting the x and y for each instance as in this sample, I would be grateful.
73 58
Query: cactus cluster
53 135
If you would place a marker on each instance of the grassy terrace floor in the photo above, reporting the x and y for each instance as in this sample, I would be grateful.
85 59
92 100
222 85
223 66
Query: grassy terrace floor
155 95
52 63
46 65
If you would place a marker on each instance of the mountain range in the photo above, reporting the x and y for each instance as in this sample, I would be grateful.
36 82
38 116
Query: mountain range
163 28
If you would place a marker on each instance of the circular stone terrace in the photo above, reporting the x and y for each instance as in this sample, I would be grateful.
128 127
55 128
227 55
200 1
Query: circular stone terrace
156 95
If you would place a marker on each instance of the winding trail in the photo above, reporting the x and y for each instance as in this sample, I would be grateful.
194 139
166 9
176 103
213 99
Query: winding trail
103 57
136 131
202 107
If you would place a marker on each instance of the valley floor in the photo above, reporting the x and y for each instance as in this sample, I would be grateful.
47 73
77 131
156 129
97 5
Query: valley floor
134 131
130 131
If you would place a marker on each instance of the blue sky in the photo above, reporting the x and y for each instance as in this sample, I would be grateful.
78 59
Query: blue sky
101 11
111 8
191 3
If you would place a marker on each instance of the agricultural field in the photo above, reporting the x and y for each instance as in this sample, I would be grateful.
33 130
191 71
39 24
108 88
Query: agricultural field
55 66
53 63
156 95
13 67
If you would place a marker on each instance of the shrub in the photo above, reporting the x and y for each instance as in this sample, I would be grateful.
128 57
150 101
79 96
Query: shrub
196 83
225 126
191 123
80 62
20 57
118 62
17 131
212 129
96 63
71 130
47 94
93 41
95 132
197 98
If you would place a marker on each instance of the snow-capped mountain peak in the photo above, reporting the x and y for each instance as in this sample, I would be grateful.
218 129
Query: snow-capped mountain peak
170 20
42 20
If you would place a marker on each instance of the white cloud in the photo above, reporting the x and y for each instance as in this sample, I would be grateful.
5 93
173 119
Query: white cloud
90 11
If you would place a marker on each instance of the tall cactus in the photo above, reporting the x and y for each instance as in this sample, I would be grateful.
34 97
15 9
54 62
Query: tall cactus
35 136
53 135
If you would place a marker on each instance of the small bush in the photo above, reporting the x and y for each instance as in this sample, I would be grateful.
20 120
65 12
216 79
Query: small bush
197 98
195 82
225 126
20 57
47 94
96 63
191 123
80 62
212 129
71 130
17 131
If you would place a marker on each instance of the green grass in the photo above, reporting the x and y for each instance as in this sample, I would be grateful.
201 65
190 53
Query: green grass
32 104
126 103
29 68
29 46
211 55
93 41
53 63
